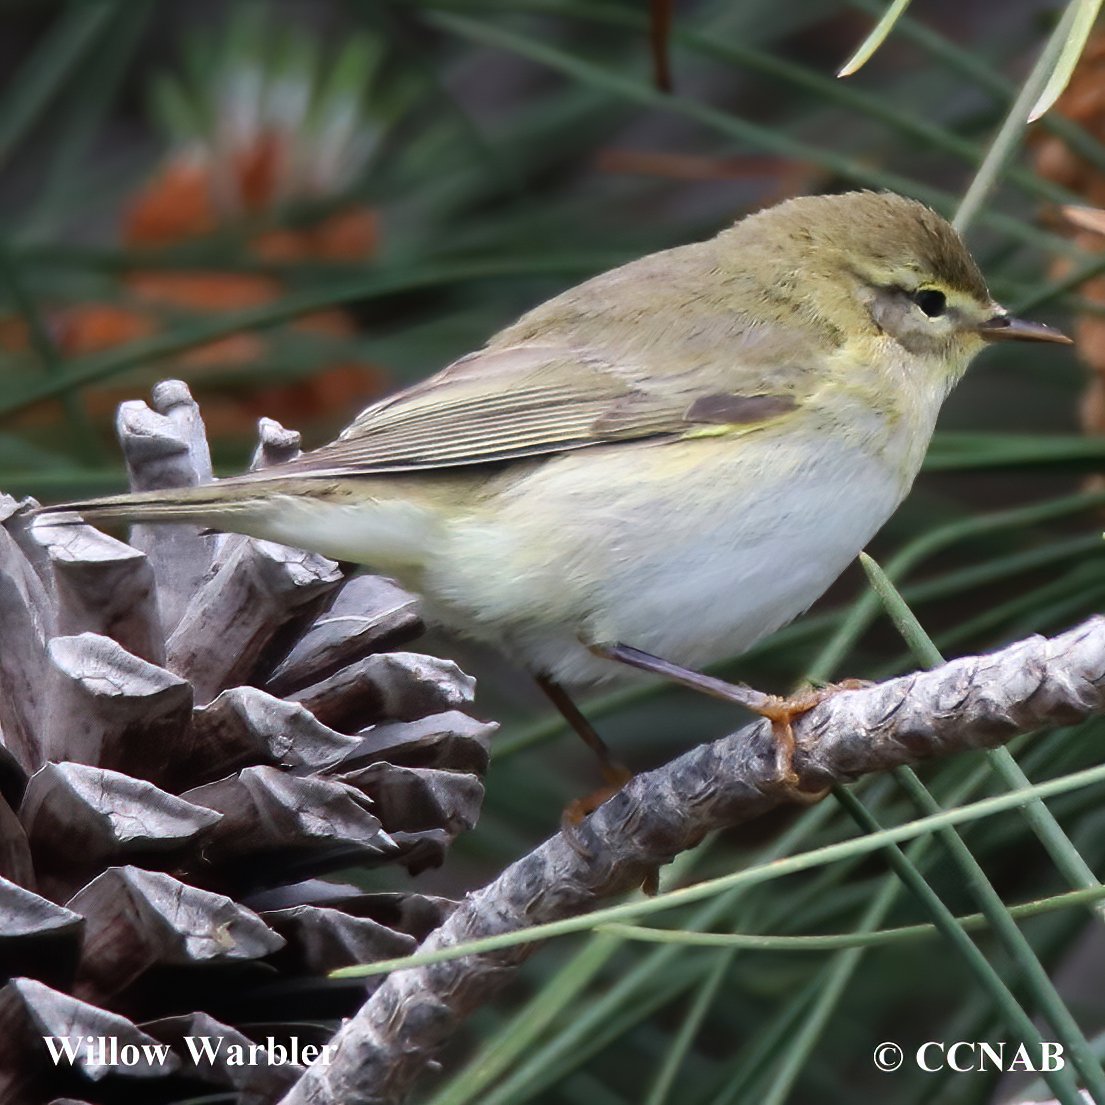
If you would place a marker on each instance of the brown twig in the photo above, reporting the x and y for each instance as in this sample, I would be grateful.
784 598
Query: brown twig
969 703
659 40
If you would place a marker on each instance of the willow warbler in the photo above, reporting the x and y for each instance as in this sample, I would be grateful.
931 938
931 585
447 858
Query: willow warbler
671 460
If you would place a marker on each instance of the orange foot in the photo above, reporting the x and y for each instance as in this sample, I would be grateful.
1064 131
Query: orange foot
616 777
782 712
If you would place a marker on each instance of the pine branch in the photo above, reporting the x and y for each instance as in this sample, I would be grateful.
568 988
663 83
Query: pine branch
974 702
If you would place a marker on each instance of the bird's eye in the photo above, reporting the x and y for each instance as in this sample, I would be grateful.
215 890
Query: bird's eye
932 302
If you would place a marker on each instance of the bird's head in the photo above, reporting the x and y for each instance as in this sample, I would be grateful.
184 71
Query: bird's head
876 265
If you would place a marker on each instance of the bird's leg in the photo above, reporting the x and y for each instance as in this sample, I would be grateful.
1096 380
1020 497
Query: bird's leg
742 695
615 775
780 711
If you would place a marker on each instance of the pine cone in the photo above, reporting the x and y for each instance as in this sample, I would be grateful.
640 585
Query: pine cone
193 729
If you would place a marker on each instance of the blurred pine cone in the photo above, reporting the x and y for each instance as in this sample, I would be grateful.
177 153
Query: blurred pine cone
193 730
1083 102
260 119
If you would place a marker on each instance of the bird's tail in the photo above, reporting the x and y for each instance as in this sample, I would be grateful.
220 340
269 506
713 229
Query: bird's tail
208 504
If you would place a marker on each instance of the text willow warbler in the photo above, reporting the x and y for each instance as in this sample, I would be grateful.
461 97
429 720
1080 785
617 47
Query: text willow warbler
660 466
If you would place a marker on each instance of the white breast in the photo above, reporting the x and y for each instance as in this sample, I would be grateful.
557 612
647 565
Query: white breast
692 553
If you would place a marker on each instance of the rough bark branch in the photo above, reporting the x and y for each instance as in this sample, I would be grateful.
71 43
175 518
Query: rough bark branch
969 703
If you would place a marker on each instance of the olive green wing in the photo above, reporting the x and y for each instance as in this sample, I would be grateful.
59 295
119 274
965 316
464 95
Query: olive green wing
504 404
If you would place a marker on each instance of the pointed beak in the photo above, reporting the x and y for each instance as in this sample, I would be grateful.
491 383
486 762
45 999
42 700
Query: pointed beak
1001 327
